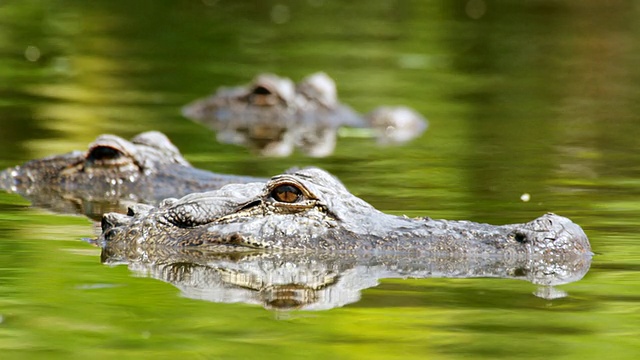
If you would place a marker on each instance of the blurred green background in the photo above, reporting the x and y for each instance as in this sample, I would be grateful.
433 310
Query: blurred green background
534 96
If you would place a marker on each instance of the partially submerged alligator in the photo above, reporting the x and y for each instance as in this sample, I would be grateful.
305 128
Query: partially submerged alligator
146 169
273 116
311 211
314 281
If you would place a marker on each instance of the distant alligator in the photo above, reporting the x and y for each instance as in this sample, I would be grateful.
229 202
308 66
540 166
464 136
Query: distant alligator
315 281
273 116
310 210
147 169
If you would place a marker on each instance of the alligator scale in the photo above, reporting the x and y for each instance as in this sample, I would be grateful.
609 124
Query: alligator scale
111 172
310 210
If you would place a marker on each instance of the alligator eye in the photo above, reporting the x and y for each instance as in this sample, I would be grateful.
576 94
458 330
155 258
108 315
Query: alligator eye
102 153
520 237
286 193
261 90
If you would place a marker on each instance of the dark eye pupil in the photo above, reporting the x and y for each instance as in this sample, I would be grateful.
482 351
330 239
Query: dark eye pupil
286 193
104 153
261 90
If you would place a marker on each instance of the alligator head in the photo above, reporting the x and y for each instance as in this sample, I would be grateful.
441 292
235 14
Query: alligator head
146 169
259 115
273 116
310 210
109 159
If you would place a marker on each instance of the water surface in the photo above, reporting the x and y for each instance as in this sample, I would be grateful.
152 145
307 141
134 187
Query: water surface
536 97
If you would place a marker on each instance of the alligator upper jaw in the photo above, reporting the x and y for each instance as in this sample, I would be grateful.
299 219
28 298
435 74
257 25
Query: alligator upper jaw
193 209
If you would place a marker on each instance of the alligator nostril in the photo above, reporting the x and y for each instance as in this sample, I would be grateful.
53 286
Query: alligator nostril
520 237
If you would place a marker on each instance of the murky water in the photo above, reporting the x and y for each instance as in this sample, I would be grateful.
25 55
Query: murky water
536 97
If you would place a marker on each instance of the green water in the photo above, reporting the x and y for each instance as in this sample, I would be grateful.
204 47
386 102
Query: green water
537 97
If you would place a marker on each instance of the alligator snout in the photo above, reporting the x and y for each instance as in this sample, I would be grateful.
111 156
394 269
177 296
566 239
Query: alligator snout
553 234
113 220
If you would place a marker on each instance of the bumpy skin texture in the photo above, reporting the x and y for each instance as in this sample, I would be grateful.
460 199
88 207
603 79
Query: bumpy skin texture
273 116
146 169
310 210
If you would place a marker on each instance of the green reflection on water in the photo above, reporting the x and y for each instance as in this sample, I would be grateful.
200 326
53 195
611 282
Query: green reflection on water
535 97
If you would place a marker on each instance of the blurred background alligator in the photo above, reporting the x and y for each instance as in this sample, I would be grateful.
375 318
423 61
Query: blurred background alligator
112 174
315 281
272 116
310 210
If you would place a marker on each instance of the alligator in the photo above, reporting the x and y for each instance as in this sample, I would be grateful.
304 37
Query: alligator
311 210
321 281
112 174
272 116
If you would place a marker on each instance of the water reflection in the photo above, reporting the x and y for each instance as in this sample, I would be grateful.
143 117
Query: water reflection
284 281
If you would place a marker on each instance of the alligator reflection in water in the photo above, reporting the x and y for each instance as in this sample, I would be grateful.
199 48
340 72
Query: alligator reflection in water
273 116
112 174
285 281
302 240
